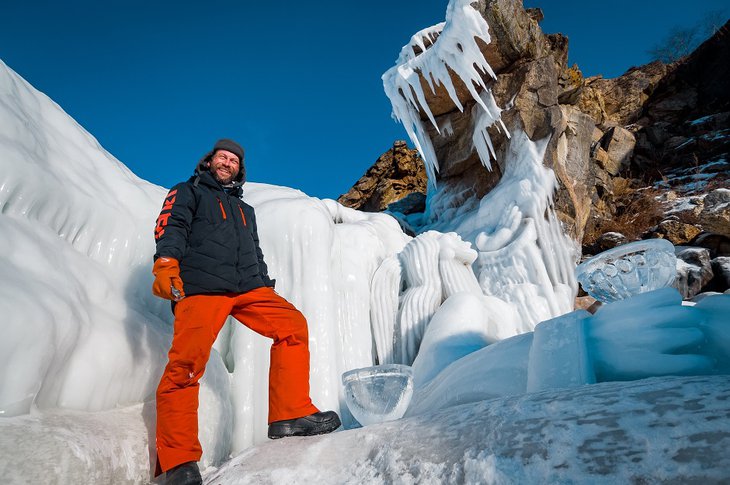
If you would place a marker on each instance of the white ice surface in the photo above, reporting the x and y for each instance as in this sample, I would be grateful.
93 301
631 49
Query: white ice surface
651 431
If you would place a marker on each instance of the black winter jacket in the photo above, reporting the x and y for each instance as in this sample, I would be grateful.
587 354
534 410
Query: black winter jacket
212 233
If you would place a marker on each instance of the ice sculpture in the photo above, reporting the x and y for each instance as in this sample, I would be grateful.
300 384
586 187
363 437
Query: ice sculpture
379 393
423 293
458 328
525 259
455 266
408 289
652 334
628 270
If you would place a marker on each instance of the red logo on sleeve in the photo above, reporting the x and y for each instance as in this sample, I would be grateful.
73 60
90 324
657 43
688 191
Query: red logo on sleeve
165 214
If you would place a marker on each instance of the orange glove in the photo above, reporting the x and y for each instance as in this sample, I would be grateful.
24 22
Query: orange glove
167 284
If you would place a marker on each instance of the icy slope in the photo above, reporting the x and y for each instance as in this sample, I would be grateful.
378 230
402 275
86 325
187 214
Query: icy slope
80 328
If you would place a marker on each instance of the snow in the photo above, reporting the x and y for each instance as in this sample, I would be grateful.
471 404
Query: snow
702 120
650 431
693 179
716 135
647 435
479 303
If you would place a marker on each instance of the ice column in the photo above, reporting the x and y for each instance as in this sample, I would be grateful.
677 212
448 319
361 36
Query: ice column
524 257
384 298
423 293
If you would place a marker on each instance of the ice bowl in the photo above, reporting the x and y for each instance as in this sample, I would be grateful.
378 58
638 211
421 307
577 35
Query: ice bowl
628 270
379 393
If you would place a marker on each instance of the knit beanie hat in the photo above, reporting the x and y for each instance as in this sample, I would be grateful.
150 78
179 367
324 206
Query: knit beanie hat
231 146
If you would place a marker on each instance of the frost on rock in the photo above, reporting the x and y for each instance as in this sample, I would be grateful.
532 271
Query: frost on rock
455 50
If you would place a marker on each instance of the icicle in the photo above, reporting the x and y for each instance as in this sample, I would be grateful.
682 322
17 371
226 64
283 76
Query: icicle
485 115
456 48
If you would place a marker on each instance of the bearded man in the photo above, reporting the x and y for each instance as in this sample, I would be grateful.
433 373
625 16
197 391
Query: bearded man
210 265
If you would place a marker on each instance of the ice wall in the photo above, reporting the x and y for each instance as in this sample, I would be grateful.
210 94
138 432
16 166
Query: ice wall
524 258
323 257
82 330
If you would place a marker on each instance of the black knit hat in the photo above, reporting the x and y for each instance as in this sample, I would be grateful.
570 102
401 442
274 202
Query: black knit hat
231 146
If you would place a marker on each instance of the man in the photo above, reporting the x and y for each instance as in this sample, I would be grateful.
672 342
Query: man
209 264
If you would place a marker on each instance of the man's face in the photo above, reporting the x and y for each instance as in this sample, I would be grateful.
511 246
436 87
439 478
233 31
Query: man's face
224 166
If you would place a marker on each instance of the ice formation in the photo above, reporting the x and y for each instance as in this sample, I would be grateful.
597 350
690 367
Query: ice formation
83 333
407 292
422 296
384 299
80 328
524 257
652 334
455 48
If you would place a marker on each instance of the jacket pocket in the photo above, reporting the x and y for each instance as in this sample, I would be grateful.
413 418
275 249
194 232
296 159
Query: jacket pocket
243 217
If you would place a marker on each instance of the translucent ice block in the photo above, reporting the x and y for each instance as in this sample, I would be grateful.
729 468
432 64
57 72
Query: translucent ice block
628 270
379 393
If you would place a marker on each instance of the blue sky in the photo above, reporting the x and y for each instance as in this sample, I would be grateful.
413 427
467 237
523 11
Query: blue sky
296 83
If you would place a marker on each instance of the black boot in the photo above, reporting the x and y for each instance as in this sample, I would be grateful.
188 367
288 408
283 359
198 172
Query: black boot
185 474
317 423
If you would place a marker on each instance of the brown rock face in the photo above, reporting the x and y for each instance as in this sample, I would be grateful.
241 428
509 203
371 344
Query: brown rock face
676 232
620 101
618 144
396 174
715 215
606 137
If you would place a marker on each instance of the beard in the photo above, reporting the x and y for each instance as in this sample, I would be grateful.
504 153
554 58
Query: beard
222 178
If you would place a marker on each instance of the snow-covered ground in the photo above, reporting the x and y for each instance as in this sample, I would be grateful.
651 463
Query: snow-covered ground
658 430
504 371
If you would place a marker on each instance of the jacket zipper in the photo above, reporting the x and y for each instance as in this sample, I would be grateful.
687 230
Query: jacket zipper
243 217
223 211
238 239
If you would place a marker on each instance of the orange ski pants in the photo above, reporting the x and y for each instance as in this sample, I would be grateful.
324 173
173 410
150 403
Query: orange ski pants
198 319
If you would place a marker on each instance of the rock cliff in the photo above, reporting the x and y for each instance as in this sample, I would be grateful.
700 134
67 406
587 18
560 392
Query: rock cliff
395 174
637 154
